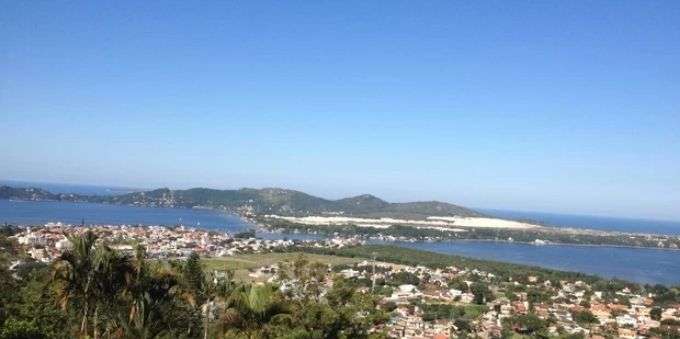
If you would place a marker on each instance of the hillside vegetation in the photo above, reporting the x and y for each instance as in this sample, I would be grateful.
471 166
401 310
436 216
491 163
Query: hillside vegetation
257 201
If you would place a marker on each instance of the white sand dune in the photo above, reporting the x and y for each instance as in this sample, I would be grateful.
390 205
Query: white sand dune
431 222
484 222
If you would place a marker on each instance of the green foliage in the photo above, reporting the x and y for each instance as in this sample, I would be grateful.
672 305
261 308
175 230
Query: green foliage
413 257
669 329
571 336
536 296
20 329
263 201
255 312
665 296
245 234
481 292
526 323
458 284
448 311
94 291
585 318
403 277
554 235
193 277
7 230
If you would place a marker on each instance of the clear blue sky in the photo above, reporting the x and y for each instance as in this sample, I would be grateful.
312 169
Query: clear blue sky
564 106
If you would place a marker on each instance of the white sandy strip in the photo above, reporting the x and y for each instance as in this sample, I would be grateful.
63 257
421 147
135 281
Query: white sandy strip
439 228
375 225
444 222
484 222
319 221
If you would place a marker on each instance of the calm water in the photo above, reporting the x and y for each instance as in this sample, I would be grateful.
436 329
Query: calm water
634 264
640 265
28 213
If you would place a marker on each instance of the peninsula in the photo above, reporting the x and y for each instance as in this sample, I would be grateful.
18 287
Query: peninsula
365 216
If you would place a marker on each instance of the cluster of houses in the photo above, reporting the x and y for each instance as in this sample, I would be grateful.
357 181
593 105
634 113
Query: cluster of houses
47 242
561 305
409 292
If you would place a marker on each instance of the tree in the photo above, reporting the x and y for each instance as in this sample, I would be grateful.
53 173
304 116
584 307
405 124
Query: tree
157 302
526 323
459 284
403 277
253 311
89 279
20 329
655 313
111 271
193 276
73 275
8 287
482 293
463 324
585 318
669 329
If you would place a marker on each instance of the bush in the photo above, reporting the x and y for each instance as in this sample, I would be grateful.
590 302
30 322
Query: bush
585 318
19 329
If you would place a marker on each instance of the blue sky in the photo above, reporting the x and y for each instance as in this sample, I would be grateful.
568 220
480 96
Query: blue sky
560 106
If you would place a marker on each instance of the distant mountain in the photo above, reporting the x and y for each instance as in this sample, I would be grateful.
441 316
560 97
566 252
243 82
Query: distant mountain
35 194
258 201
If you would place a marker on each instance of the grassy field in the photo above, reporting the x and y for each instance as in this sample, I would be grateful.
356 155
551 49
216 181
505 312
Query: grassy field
241 264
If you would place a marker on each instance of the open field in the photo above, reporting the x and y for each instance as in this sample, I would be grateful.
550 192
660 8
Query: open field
241 264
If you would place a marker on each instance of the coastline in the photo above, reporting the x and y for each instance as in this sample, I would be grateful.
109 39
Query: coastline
252 220
504 242
661 273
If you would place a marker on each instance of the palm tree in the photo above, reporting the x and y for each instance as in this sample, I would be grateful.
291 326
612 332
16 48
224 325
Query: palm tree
136 288
88 277
111 273
252 311
73 276
149 293
217 290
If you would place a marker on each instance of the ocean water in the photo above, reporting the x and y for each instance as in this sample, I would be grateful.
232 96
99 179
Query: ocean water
593 222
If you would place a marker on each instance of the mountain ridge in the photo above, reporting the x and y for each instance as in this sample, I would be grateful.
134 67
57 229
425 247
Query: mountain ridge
269 200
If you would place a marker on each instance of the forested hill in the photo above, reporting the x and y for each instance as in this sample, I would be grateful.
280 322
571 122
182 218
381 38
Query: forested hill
258 201
36 194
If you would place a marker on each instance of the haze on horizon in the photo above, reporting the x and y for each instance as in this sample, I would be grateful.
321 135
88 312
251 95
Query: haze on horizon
553 106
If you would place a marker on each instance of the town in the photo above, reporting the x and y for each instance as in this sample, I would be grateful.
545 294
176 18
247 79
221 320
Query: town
421 301
46 243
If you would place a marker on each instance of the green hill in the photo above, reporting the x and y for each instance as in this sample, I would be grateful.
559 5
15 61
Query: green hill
258 201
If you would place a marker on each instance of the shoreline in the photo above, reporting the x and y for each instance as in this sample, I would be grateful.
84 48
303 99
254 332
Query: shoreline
503 241
254 225
404 244
536 223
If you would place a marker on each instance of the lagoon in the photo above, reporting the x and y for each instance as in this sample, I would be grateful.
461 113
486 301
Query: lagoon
634 264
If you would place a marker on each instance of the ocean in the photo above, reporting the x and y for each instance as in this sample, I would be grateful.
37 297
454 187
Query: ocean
593 222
